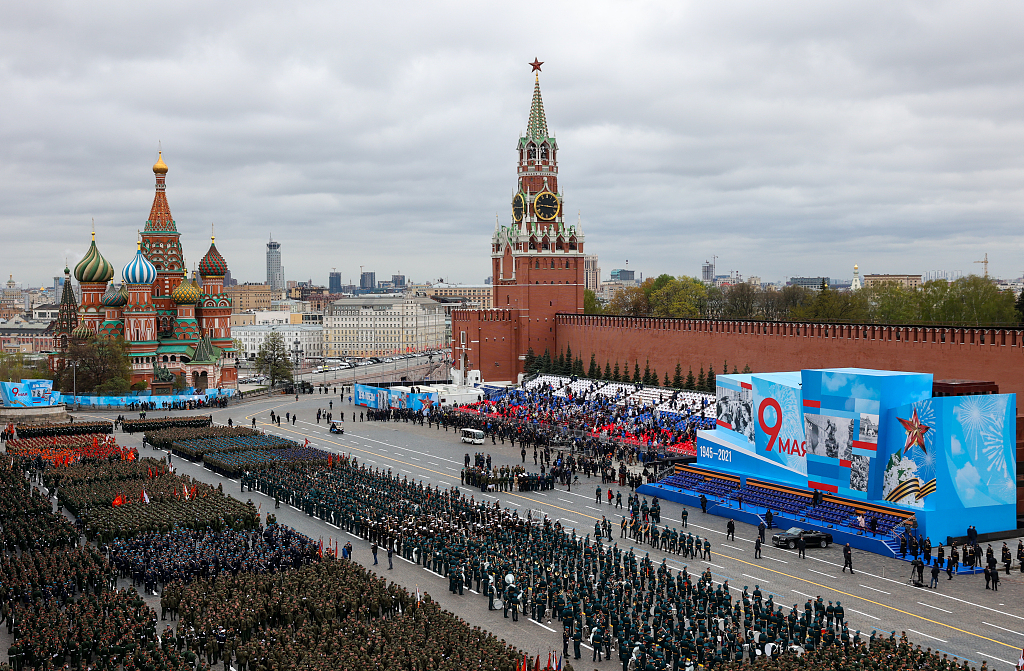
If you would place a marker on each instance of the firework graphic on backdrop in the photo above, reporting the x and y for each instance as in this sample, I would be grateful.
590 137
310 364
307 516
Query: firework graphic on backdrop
982 419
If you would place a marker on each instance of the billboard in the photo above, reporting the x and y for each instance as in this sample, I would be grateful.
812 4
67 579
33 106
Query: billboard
27 393
381 397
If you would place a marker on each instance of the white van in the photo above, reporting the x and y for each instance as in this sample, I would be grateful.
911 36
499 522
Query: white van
473 436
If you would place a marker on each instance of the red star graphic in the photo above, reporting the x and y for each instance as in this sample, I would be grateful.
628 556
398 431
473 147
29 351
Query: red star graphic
536 65
915 431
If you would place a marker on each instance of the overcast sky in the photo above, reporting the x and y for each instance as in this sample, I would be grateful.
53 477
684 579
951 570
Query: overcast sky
787 138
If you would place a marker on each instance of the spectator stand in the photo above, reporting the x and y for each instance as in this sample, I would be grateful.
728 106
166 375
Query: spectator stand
790 506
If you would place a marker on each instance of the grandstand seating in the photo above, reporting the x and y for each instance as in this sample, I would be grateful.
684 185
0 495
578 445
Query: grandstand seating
790 501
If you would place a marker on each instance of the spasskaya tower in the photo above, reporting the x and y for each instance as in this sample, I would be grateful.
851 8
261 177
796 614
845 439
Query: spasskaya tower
537 264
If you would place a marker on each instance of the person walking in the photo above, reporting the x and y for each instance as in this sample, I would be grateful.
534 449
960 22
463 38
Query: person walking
730 530
373 549
760 532
757 548
847 558
801 545
703 503
391 552
934 584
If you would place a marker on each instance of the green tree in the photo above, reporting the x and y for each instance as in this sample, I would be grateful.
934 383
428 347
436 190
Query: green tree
593 372
679 297
179 383
666 383
93 363
892 303
691 382
709 381
647 374
577 368
615 373
545 362
560 367
637 378
530 362
725 367
629 301
741 301
14 366
734 370
831 306
746 369
591 304
1020 307
607 371
272 359
677 379
701 386
968 301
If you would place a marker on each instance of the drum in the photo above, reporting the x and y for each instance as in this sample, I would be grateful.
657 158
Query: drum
498 604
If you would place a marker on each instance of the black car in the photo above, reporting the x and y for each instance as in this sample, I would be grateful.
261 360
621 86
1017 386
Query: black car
788 538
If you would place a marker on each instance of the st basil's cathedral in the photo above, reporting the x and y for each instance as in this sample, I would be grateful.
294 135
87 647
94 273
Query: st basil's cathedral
171 324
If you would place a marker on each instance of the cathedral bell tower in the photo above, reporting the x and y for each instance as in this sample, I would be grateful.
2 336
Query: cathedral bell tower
161 245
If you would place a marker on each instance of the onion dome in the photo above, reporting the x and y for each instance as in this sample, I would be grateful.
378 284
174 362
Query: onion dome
115 298
139 270
93 267
160 167
213 264
186 293
82 332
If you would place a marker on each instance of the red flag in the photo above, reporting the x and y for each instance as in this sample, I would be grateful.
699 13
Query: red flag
306 444
549 661
536 666
118 501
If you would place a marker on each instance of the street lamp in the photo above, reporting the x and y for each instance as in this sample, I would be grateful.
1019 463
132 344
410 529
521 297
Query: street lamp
74 381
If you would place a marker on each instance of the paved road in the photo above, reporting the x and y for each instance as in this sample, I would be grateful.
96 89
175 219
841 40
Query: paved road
960 617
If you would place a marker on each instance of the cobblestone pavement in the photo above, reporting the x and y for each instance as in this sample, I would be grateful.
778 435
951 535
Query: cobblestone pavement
959 617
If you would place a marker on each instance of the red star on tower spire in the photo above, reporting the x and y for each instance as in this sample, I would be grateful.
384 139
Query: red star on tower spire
536 65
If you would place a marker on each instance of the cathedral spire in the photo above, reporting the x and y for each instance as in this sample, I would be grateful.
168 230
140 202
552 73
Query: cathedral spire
537 129
160 214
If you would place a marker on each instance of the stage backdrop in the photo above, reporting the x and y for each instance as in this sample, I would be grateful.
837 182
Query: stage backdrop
382 397
872 435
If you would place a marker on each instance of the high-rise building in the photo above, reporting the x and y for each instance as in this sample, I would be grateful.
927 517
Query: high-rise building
623 275
707 272
398 281
334 283
275 271
368 280
591 272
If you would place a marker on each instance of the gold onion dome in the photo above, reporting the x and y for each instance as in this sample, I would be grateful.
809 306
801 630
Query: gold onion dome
82 332
186 293
93 267
160 167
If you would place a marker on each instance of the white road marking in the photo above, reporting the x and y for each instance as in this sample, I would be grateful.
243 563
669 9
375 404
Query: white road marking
801 594
331 525
1003 628
935 607
756 578
544 625
781 561
414 458
921 633
565 500
875 589
820 573
863 613
985 654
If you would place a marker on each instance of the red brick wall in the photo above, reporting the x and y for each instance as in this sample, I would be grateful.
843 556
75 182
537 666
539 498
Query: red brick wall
971 354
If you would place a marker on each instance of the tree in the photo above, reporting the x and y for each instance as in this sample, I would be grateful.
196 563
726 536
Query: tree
629 301
545 362
607 371
746 369
637 378
734 370
593 372
677 379
679 297
179 383
709 381
725 367
741 301
1020 307
530 362
691 382
647 374
615 373
560 367
577 368
700 380
666 383
15 366
569 361
969 301
272 359
100 362
591 304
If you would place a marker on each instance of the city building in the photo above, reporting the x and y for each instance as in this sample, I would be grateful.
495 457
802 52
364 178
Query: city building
707 272
309 336
334 283
167 320
47 312
275 270
376 326
622 275
398 281
26 337
591 273
368 280
813 283
537 262
477 296
904 281
250 297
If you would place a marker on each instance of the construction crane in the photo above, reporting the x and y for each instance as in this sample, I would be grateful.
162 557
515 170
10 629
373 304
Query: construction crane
984 264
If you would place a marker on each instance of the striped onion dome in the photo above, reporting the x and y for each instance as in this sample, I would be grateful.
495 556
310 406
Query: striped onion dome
93 267
82 332
186 293
115 297
213 264
139 270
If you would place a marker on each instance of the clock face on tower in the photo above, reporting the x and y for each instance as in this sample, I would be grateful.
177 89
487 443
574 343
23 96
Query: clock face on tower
518 206
546 205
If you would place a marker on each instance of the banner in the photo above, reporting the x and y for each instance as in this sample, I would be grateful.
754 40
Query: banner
380 397
27 393
125 401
